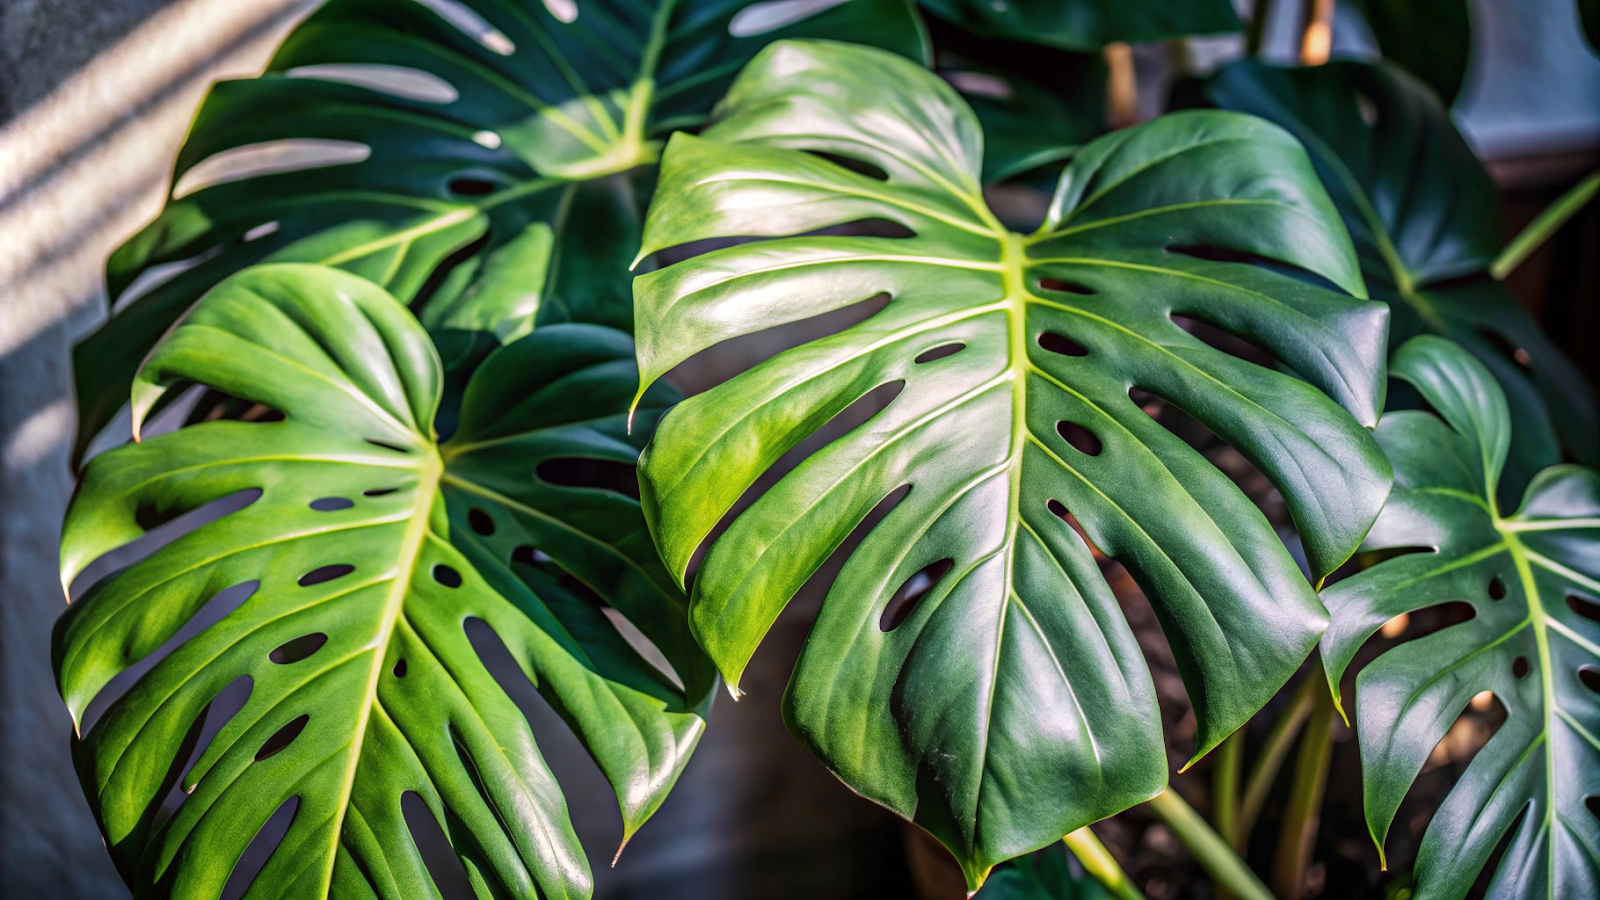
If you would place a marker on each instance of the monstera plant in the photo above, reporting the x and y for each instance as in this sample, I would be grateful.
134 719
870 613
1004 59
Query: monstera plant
406 447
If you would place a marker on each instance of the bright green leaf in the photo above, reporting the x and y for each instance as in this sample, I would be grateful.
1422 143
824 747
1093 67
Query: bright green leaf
1533 580
1010 706
1425 217
494 191
369 533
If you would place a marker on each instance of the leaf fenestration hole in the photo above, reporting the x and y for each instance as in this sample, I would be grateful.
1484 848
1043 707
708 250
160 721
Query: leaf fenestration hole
439 857
1064 514
260 849
1593 804
446 576
472 24
599 474
1590 676
480 521
1082 439
858 166
1497 588
940 352
283 737
387 446
1520 667
323 574
770 15
472 186
292 651
399 668
1065 346
397 81
906 599
1584 607
378 492
529 556
1061 285
331 504
275 157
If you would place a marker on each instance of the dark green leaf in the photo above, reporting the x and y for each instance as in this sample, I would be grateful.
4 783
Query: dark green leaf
1425 218
493 193
1589 12
370 534
1533 580
1431 39
1087 24
1045 875
1010 707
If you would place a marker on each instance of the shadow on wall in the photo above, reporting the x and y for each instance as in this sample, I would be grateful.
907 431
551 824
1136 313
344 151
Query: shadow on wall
95 98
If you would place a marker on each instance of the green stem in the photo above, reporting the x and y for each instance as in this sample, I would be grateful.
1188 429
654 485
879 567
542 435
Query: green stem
1208 848
1099 862
1305 801
1259 14
1225 795
1276 749
1545 224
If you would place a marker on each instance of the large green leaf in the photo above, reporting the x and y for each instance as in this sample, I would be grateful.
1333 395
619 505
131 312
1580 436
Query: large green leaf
1533 580
1045 875
386 544
1010 706
1432 39
502 206
1087 24
1425 217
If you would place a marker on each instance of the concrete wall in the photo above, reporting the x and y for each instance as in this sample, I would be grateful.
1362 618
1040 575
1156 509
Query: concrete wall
95 98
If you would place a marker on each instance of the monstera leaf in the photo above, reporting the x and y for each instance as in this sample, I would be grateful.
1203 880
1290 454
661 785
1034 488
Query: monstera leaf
1425 218
1045 875
1533 580
1087 24
370 548
490 137
1009 705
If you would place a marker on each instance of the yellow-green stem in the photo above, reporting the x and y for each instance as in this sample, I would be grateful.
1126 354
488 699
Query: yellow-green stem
1207 847
1273 752
1545 224
1304 812
1099 862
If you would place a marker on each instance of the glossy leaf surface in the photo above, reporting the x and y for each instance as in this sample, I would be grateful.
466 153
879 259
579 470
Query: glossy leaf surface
369 534
491 194
1533 581
1010 705
1087 24
1425 217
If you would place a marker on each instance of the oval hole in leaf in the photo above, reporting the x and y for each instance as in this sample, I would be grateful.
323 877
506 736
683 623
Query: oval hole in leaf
1590 676
858 166
599 474
564 11
446 576
1082 439
1066 287
1148 403
1497 588
1065 346
480 521
906 599
1520 667
291 652
268 158
433 845
378 492
770 15
399 668
324 574
396 81
331 504
940 352
529 556
473 25
260 849
468 185
283 737
1593 804
1584 607
387 446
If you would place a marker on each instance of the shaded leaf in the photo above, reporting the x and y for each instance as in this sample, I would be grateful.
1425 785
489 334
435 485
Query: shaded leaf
1087 24
1529 577
494 142
1431 39
1425 218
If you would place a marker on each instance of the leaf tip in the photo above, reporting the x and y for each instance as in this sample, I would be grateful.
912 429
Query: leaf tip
734 692
620 847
